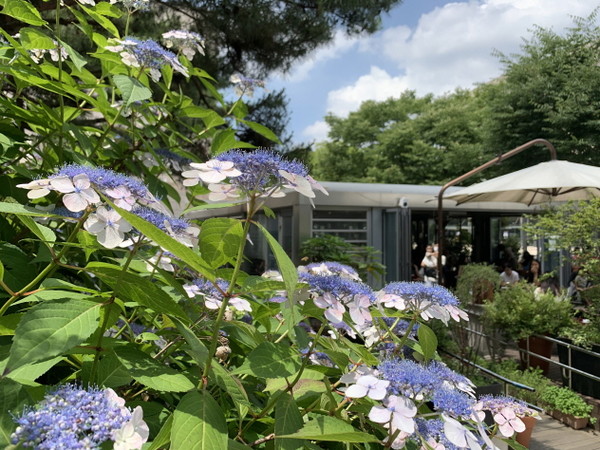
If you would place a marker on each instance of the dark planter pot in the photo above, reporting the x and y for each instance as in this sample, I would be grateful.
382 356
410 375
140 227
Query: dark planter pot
585 363
542 347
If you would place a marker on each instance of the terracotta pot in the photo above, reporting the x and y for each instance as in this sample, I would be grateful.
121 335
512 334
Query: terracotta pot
524 437
542 347
577 423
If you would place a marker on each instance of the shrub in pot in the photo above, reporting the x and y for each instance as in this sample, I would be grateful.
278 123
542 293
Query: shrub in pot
476 283
519 315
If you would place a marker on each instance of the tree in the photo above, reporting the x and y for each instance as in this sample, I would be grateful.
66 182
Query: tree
407 140
552 91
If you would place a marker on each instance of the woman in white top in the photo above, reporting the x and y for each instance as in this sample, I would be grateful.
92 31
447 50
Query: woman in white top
430 263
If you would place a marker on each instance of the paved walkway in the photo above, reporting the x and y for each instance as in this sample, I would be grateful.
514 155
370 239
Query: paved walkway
550 434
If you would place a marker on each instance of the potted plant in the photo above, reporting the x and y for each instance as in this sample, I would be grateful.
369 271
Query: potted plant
477 283
567 406
520 315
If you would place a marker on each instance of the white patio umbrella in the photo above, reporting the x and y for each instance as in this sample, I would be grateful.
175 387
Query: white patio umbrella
553 180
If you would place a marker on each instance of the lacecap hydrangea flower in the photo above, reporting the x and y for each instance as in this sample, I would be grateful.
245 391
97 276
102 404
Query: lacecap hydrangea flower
187 42
146 54
260 173
245 85
430 301
213 294
70 417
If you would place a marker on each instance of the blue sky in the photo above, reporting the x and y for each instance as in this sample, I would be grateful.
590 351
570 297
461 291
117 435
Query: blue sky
431 46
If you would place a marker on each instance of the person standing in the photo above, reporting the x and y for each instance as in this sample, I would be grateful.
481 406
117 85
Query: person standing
430 264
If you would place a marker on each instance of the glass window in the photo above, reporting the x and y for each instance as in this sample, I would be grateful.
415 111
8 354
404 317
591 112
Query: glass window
348 225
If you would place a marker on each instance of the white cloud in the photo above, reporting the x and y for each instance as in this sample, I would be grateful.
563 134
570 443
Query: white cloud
376 85
452 46
341 44
316 132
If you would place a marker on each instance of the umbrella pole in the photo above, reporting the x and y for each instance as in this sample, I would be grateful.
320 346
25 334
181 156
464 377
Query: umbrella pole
497 160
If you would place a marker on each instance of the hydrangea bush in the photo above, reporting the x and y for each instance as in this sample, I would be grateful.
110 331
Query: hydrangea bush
125 324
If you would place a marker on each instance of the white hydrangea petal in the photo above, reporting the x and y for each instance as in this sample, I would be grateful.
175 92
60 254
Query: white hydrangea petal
110 237
379 414
75 202
37 193
62 184
356 391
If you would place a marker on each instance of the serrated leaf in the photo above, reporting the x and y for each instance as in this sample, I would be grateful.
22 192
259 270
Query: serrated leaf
223 141
327 428
427 340
132 90
12 398
198 423
220 240
287 421
28 373
128 286
151 373
270 359
33 38
23 11
50 328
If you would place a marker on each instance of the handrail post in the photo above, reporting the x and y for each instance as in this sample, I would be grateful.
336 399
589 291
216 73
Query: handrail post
492 162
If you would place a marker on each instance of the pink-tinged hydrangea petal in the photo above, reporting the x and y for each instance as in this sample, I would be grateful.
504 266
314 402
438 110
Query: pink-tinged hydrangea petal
81 181
297 183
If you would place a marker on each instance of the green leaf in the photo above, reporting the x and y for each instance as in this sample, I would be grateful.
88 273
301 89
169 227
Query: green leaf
76 58
220 240
50 328
209 206
151 373
198 423
234 388
101 20
327 428
111 373
287 421
268 359
1 271
20 210
197 350
23 11
28 373
132 90
9 323
290 277
187 255
12 399
33 38
164 435
427 340
235 445
130 287
223 141
262 130
45 234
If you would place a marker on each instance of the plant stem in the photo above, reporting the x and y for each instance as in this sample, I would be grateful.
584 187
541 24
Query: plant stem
223 308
